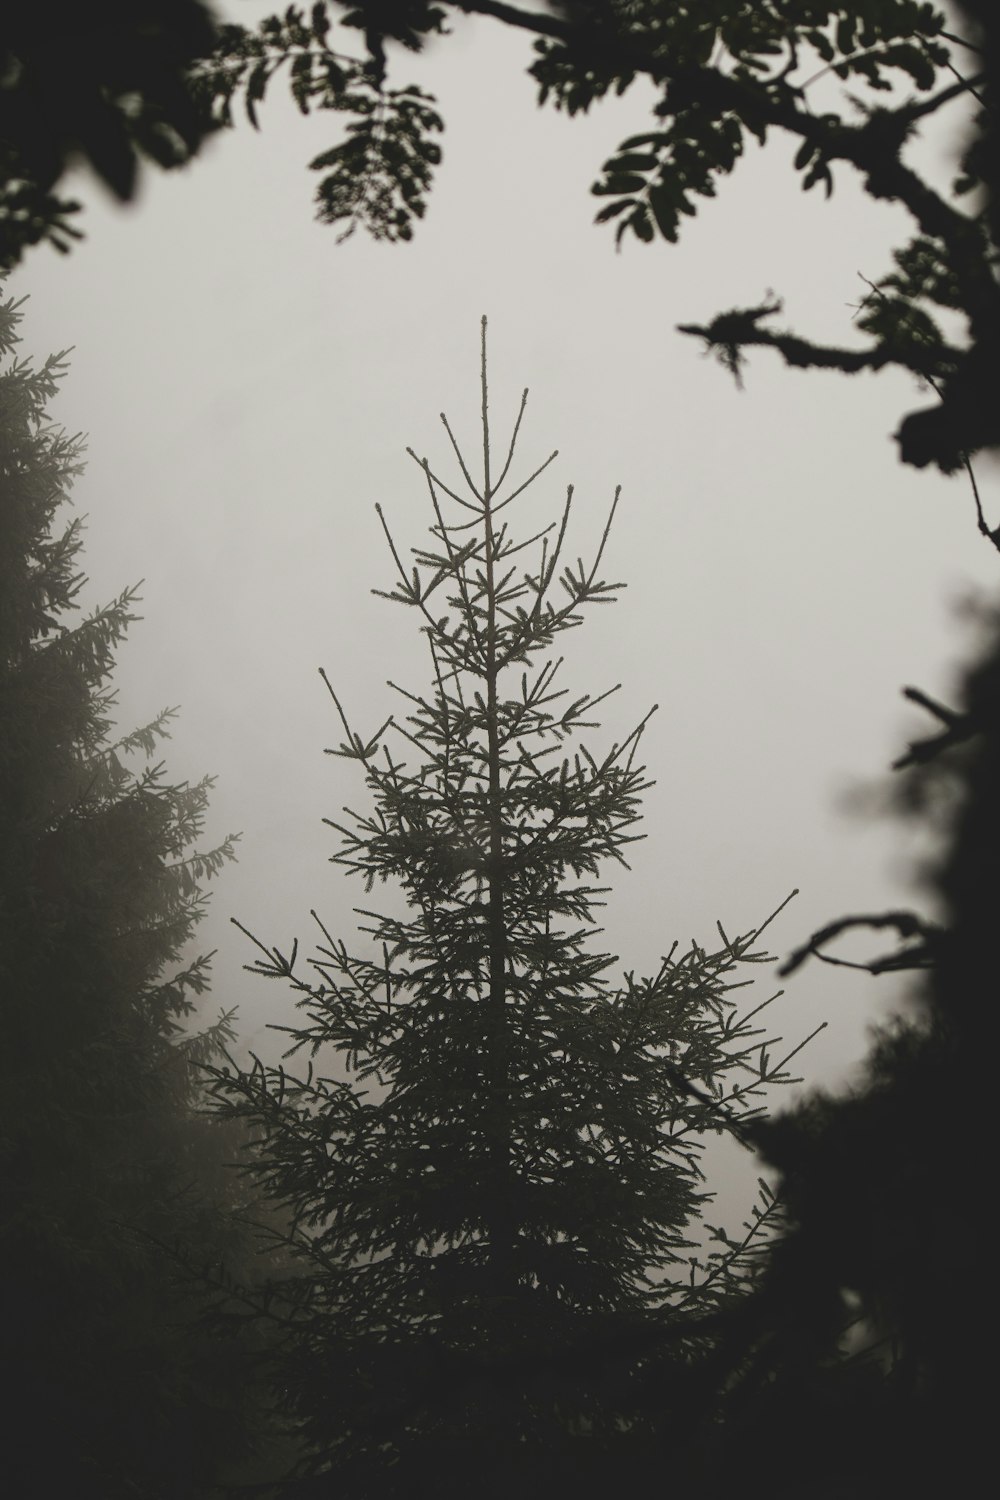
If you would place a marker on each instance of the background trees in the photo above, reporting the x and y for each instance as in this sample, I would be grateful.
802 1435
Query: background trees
491 1156
110 1387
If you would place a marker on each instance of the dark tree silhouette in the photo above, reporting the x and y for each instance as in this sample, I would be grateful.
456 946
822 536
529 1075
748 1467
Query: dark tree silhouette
110 1386
863 1353
492 1156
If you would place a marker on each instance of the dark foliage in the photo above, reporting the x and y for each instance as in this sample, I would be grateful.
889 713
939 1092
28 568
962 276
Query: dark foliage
378 175
857 1360
864 1355
110 1386
727 72
490 1155
104 83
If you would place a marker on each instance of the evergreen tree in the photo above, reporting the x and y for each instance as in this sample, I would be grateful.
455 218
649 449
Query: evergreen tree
492 1158
110 1388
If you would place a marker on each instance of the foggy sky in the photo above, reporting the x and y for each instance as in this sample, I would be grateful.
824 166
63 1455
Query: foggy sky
249 388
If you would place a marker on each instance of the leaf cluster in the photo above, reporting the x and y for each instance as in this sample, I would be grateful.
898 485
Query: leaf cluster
379 175
726 73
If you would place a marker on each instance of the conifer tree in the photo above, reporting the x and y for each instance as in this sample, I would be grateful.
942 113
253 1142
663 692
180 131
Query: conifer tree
110 1387
491 1155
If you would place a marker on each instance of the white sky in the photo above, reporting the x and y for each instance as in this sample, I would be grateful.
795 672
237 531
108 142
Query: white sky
249 388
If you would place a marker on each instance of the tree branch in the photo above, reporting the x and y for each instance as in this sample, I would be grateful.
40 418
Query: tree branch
732 331
526 20
906 923
863 146
958 727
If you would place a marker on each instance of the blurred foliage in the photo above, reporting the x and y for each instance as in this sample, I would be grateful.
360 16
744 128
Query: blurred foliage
103 83
116 1195
864 1357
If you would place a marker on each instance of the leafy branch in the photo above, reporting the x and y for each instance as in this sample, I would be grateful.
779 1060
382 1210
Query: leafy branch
377 177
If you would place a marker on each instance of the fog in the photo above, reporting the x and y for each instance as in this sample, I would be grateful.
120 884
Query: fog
249 388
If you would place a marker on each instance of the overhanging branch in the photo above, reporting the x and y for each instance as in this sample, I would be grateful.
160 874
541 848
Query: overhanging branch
731 332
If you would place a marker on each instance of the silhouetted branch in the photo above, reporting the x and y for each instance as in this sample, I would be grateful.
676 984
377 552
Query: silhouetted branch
906 923
958 727
733 331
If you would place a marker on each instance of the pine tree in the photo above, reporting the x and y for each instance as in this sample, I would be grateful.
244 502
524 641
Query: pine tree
492 1157
110 1388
